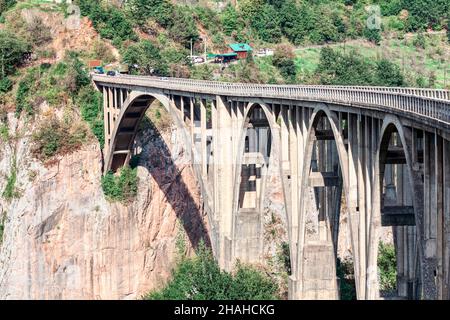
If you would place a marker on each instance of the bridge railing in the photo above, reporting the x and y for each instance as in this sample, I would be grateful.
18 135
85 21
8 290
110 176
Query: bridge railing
430 103
423 92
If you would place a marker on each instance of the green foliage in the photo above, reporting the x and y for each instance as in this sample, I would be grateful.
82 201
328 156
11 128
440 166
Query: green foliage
57 137
183 29
147 57
388 74
387 267
6 4
229 20
336 68
267 24
4 132
419 41
23 102
373 35
12 50
159 10
90 103
122 187
284 257
426 13
5 85
10 192
76 75
283 59
200 278
345 273
108 20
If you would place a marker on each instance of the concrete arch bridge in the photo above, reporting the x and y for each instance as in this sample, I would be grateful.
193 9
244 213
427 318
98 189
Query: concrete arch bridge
384 152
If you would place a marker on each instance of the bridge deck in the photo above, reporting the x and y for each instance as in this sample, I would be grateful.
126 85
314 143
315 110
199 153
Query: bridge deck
429 103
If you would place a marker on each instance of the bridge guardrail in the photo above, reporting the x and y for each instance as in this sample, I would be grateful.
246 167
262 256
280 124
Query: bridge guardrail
430 103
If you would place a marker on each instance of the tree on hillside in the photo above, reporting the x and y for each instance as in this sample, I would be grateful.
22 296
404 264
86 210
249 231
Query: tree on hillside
388 74
267 24
147 57
160 10
426 13
343 69
291 22
229 19
283 59
12 50
184 28
250 9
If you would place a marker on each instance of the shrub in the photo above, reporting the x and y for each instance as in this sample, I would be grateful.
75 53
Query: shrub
345 273
108 20
6 4
387 267
122 187
373 35
4 132
147 56
22 96
419 41
56 137
12 51
5 85
200 278
10 192
90 103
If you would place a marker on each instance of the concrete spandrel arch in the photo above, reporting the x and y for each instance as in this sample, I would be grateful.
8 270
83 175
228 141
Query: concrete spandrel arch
390 124
147 97
275 133
319 111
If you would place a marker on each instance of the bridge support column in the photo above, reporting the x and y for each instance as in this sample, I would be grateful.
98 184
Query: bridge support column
354 210
203 148
430 218
106 116
445 292
223 176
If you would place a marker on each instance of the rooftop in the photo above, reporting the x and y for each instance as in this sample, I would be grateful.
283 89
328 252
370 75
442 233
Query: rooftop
240 47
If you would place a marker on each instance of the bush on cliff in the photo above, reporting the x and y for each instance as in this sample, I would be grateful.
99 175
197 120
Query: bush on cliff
387 267
56 137
200 278
122 187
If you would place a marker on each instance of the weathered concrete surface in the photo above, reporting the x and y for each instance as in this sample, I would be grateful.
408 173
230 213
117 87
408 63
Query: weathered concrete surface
63 240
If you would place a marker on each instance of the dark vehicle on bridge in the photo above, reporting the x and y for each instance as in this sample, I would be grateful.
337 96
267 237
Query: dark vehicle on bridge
111 73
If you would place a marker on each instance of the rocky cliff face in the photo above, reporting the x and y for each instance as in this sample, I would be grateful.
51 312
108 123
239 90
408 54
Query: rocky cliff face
64 240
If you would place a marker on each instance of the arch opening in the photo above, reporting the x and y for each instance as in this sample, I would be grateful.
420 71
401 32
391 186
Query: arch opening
398 259
145 137
327 270
260 226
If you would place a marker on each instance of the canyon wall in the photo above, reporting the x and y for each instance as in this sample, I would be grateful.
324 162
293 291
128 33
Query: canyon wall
64 240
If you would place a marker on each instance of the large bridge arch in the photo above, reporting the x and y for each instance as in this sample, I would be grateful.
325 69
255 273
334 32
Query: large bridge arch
420 269
120 134
311 282
254 252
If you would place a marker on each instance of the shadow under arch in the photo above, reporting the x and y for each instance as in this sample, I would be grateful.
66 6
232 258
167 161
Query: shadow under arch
321 111
391 125
124 135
